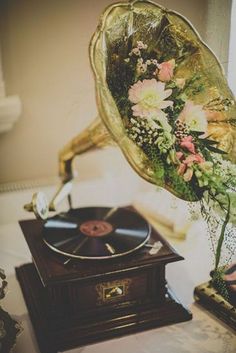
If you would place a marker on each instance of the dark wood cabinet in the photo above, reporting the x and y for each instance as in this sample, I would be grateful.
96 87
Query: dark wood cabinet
92 300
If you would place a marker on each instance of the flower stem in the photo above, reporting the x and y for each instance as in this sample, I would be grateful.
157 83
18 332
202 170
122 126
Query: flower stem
222 234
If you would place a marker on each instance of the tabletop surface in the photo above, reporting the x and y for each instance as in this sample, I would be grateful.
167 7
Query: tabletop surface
204 333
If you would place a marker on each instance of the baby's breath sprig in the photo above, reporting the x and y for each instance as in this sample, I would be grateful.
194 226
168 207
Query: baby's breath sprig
181 130
141 132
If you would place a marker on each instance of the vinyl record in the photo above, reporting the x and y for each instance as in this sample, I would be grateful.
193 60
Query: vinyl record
96 232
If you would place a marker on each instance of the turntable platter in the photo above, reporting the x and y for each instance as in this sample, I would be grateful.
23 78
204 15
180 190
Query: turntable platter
96 232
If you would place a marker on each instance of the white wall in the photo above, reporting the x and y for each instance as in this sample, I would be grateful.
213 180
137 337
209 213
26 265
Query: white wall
232 50
45 61
218 28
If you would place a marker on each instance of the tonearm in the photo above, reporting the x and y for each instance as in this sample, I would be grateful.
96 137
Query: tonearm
94 136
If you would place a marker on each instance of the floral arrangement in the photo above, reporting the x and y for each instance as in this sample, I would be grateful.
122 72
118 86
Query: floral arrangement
161 116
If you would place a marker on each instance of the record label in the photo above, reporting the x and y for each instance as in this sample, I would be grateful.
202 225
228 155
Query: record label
96 232
96 228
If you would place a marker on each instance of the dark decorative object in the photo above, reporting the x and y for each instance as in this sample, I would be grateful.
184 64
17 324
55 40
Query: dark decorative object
9 328
209 297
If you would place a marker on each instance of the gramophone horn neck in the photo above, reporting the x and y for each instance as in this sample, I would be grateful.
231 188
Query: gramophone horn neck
94 136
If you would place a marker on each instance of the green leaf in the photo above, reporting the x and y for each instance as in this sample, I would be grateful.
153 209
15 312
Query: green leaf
197 133
232 121
210 142
216 150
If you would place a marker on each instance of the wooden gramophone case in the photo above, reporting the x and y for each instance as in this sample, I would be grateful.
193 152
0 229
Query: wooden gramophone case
92 300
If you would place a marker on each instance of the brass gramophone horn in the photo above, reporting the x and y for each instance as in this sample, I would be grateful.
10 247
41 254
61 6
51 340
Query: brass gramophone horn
120 26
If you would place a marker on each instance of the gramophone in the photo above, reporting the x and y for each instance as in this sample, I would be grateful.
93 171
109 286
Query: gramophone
162 97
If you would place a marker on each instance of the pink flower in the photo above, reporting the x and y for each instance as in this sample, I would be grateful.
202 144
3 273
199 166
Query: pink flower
179 155
181 169
185 168
166 70
197 158
185 171
187 143
149 97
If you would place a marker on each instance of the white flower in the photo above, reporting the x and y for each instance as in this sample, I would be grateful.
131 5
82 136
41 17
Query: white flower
194 116
141 68
136 51
149 98
141 45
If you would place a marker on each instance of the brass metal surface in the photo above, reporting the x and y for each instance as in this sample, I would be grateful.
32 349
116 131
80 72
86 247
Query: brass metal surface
112 291
123 24
95 136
